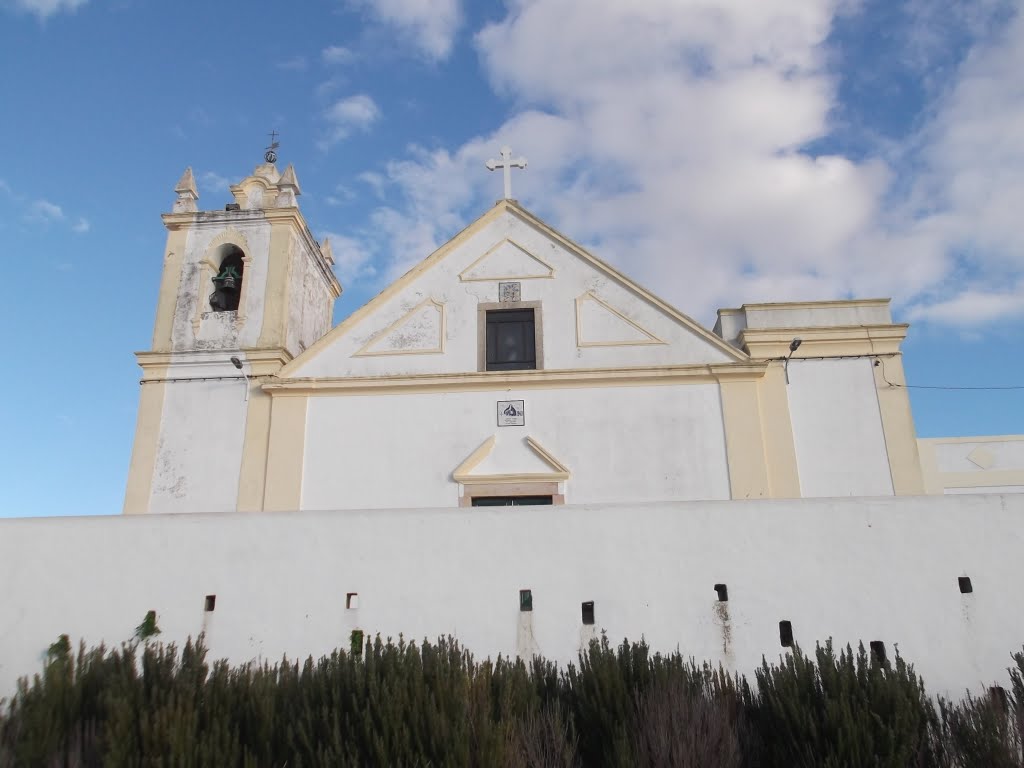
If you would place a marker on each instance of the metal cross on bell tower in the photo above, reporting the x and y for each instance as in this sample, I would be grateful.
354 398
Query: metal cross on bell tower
507 163
271 154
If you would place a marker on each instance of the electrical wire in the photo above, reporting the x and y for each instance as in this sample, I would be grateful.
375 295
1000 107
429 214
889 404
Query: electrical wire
885 378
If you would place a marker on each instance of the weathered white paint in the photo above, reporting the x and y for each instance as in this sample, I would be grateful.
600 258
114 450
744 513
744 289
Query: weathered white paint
220 330
572 278
199 451
619 443
309 302
837 428
850 569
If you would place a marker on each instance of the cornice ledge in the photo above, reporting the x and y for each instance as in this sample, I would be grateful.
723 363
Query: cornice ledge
256 358
498 380
834 341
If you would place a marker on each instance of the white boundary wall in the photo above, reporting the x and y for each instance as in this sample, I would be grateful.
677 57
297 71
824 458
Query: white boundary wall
871 569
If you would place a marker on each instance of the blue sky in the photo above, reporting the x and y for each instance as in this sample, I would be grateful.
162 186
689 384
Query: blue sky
720 152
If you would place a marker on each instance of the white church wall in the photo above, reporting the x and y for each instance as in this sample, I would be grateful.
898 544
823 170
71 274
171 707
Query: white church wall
850 569
837 428
619 443
454 282
199 451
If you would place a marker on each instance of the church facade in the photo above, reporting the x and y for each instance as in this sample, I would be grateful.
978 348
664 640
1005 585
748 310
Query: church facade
511 366
727 492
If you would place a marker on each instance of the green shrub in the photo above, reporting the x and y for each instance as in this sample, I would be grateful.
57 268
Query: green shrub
403 704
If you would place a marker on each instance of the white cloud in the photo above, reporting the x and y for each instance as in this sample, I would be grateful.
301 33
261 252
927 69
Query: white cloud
669 136
46 8
335 54
352 259
211 181
44 210
375 181
355 113
430 24
974 307
81 225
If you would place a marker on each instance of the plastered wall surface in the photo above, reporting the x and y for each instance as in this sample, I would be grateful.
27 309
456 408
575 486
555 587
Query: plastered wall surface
619 443
195 286
310 303
571 278
851 569
837 429
199 451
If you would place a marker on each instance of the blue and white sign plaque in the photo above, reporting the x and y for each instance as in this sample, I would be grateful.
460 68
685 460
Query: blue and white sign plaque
511 413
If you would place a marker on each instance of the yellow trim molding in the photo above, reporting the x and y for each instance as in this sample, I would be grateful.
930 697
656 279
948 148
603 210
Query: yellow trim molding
285 455
589 296
898 427
777 428
744 440
463 275
462 473
481 381
365 350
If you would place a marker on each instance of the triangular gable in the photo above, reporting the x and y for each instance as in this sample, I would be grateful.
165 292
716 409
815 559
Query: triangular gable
508 260
599 324
516 462
500 208
420 331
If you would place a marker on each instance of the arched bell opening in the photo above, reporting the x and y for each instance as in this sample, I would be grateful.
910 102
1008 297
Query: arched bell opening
227 283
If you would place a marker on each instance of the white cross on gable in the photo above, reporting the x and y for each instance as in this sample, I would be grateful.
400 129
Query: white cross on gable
507 163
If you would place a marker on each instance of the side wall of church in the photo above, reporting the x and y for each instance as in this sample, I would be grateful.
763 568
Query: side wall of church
849 569
837 428
619 444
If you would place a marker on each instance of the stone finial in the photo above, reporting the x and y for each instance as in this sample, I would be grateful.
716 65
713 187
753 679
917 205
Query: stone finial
288 179
186 191
325 249
288 188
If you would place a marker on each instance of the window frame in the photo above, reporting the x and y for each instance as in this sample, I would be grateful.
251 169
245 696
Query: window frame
478 490
538 335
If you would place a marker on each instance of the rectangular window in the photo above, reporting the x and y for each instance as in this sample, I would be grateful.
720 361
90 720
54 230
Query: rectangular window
588 612
510 501
511 340
786 634
525 600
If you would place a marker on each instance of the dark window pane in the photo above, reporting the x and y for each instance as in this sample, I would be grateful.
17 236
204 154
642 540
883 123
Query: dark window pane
510 501
510 340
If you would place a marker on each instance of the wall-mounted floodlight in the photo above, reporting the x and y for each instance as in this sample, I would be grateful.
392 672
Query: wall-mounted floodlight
794 345
238 364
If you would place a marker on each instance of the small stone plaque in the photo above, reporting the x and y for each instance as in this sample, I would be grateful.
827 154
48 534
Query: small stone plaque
509 291
511 413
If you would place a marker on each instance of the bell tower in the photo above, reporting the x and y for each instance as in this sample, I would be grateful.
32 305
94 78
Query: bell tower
244 289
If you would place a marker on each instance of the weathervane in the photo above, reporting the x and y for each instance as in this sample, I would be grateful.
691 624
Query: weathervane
271 154
507 163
